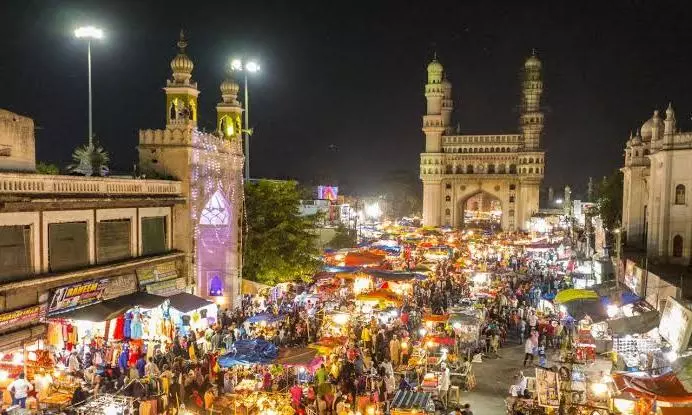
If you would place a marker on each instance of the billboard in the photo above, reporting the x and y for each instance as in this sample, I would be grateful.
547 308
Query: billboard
676 325
328 192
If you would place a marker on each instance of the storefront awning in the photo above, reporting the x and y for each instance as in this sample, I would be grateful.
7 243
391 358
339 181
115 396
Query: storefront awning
185 302
110 309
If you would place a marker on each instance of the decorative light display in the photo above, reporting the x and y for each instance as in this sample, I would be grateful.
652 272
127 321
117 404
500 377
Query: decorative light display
216 193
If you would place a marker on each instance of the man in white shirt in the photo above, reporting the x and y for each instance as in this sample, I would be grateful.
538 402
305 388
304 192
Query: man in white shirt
444 384
533 320
19 389
73 365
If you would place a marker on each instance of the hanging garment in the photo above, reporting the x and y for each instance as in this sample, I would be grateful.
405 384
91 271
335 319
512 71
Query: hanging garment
123 360
119 330
126 325
136 330
191 351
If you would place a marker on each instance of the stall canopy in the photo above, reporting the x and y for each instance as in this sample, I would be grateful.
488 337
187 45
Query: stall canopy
642 323
300 356
268 317
667 388
250 352
411 400
573 294
185 302
363 258
110 309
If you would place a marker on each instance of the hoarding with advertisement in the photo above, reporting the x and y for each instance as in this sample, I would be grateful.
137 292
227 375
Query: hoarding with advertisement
77 295
156 273
119 286
22 317
676 325
167 288
328 193
547 387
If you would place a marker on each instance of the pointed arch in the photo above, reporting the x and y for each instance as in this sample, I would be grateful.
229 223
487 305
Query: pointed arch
217 211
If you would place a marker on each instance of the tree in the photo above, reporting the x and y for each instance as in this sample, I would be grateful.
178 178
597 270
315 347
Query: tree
609 200
279 243
47 168
90 160
344 238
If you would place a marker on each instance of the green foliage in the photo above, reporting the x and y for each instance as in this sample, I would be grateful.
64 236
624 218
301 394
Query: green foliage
609 200
47 168
344 238
90 160
279 244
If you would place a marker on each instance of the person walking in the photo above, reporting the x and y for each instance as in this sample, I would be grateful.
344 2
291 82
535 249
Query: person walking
444 385
19 390
528 351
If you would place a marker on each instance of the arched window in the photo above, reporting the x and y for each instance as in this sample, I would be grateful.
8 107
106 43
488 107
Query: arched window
680 194
530 170
646 152
215 285
512 169
469 168
491 168
448 198
531 160
448 212
501 169
448 169
677 246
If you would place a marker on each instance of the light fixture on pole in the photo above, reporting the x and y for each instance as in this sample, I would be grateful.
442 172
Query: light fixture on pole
89 33
238 65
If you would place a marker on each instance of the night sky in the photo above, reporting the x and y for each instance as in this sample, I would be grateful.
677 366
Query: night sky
341 90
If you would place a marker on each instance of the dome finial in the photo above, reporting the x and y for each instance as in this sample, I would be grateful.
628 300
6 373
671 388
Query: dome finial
182 43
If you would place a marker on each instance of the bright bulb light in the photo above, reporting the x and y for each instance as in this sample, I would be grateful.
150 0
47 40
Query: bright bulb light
599 389
237 65
89 32
671 356
17 359
563 309
558 201
612 310
252 66
457 325
4 375
373 210
422 331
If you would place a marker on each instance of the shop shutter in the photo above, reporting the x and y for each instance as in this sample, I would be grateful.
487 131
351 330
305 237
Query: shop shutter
113 240
15 252
154 235
68 245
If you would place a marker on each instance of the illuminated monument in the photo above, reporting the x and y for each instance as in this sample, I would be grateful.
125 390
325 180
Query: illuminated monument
209 165
497 174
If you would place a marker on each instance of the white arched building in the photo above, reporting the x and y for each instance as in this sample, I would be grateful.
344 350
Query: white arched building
656 212
504 167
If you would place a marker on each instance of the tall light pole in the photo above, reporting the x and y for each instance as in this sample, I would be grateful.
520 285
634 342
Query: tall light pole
89 33
238 65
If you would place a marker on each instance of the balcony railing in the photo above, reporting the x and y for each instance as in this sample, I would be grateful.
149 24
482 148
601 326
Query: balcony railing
15 183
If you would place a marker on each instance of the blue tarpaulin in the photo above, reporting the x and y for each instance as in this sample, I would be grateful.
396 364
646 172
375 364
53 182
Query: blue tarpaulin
250 352
340 269
268 317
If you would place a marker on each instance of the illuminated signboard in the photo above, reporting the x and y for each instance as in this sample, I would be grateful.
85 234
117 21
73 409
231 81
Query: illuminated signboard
328 192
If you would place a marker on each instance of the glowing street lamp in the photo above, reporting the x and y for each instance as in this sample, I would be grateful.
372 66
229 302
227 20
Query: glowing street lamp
238 65
89 33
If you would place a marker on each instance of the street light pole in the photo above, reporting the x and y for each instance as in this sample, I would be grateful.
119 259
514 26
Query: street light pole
246 130
91 123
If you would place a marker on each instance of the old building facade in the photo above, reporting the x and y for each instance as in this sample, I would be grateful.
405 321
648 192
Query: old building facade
505 167
656 213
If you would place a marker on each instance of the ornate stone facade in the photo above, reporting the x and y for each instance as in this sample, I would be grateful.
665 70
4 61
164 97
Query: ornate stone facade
456 167
17 147
656 213
210 169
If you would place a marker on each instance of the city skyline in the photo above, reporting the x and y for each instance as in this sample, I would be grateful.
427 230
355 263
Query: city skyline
340 91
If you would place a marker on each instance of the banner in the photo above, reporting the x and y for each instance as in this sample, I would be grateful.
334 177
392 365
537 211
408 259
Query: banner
119 286
167 288
77 295
21 317
676 325
156 273
547 387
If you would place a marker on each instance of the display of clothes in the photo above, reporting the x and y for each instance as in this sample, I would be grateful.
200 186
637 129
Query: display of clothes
126 325
136 330
119 330
123 359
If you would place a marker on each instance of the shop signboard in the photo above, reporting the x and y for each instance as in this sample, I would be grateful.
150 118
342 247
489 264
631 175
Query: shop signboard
119 286
676 325
157 273
634 278
547 387
167 288
21 317
77 295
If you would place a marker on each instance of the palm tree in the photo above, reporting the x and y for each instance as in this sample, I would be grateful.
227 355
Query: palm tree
90 160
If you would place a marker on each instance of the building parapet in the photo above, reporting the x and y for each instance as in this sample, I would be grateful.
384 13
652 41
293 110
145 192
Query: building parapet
35 184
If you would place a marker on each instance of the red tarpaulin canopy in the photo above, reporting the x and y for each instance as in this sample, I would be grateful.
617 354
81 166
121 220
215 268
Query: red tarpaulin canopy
355 259
664 388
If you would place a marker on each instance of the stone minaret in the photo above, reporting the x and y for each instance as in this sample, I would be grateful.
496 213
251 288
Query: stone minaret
531 120
435 121
181 91
228 112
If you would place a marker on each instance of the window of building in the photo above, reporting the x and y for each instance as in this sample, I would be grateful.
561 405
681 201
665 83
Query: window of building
154 235
113 240
448 212
491 168
448 186
680 194
469 168
448 198
512 169
511 213
501 169
677 246
15 252
512 186
511 199
215 283
68 246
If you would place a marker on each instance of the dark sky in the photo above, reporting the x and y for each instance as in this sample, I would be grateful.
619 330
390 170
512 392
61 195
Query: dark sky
341 88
